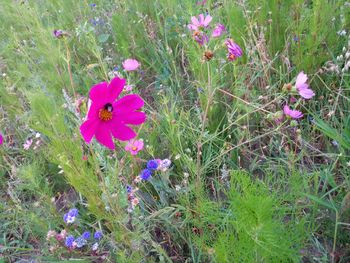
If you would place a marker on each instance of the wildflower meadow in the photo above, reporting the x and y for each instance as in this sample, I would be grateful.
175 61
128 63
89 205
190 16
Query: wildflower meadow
175 131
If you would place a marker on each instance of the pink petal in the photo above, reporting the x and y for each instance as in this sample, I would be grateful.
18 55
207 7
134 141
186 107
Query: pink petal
301 79
128 103
131 64
103 136
122 132
94 110
201 19
115 87
134 118
1 139
192 27
98 92
207 20
139 144
88 129
306 93
195 21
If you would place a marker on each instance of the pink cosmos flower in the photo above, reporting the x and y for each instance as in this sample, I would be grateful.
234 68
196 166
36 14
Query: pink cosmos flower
302 87
1 139
134 146
109 116
234 50
294 114
131 64
218 30
198 24
27 144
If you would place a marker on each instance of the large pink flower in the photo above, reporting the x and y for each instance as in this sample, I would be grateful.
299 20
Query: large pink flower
109 116
302 87
131 64
294 114
200 23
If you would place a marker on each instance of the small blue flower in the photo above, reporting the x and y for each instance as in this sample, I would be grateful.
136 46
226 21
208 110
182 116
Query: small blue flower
152 164
80 241
98 235
116 68
69 241
70 216
86 235
92 5
146 174
128 188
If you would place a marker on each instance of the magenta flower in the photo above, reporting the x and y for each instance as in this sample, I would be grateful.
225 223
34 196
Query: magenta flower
109 117
1 139
134 146
218 30
234 50
200 38
302 87
198 24
131 64
294 114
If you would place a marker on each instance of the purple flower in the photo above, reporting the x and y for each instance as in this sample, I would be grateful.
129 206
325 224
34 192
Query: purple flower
86 235
198 24
98 235
146 174
200 37
152 164
234 50
92 5
294 114
128 188
70 216
58 33
218 30
69 241
302 87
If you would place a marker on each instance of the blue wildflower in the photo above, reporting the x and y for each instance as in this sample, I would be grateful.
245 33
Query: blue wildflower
146 174
92 5
86 235
70 216
80 241
69 241
152 164
128 188
116 68
98 235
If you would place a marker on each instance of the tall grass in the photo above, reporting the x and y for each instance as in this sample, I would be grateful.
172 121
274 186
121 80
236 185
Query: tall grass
241 188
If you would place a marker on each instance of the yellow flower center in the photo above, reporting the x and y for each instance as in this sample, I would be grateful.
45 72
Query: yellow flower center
134 148
106 113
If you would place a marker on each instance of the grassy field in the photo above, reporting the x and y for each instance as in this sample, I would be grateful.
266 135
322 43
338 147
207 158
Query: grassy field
240 158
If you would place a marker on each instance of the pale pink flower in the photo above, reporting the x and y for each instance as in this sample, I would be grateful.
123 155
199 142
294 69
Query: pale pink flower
128 88
135 202
218 30
198 24
294 114
302 87
131 64
50 234
134 146
27 144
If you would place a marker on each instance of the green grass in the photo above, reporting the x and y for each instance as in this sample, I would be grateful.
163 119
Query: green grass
241 188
